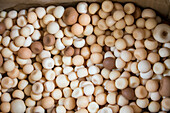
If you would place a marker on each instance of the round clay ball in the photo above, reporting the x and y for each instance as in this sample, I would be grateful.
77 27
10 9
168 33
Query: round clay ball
165 103
70 16
18 106
25 53
141 92
36 47
128 93
69 103
96 58
2 28
77 29
9 65
109 63
84 19
49 40
47 102
152 85
1 60
144 66
53 27
126 109
154 107
164 89
69 51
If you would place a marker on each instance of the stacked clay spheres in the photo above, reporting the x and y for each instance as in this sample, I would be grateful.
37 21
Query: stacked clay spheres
97 58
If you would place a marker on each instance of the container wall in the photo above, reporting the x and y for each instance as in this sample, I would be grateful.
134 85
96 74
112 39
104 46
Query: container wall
161 6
